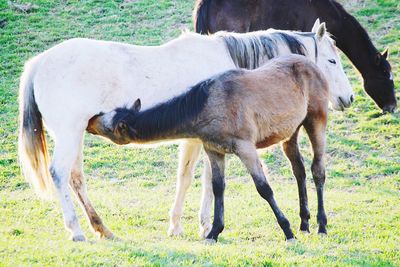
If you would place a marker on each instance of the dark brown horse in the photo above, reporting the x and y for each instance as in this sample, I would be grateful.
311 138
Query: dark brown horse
251 15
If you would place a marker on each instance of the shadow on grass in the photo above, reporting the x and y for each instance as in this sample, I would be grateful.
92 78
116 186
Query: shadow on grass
158 255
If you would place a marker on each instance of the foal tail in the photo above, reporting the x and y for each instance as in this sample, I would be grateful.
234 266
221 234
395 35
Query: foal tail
32 146
200 16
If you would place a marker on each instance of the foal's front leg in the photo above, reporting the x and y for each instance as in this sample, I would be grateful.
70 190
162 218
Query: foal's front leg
217 162
316 128
292 152
247 153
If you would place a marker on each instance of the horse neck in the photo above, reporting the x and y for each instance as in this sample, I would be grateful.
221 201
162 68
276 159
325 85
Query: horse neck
153 131
354 41
174 119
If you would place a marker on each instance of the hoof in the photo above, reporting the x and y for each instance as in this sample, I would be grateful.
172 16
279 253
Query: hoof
291 241
102 231
114 238
205 230
105 234
304 228
175 230
79 238
210 241
305 232
322 231
322 234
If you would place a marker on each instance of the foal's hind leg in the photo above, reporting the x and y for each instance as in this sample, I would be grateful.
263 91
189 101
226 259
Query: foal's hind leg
217 163
65 152
77 183
316 131
188 156
247 153
291 150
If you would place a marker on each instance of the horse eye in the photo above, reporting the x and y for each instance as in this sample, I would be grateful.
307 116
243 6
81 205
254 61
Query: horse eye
332 61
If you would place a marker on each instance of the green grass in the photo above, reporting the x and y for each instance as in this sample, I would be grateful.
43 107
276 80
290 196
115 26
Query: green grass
133 189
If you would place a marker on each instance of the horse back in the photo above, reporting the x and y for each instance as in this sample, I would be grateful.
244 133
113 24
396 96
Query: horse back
267 104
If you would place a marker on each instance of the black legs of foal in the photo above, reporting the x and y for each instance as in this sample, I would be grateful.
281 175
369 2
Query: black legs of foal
217 162
316 131
292 152
248 155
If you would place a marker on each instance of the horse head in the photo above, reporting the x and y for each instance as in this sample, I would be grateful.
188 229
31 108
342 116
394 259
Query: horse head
117 125
340 92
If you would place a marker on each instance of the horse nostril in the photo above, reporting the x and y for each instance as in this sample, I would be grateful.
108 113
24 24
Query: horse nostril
351 98
341 101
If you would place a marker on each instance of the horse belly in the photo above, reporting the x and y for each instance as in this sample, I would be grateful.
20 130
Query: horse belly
279 130
269 141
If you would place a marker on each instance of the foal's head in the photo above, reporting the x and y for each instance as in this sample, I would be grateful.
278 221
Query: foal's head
117 125
340 92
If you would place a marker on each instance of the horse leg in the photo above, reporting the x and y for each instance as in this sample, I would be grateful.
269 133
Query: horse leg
77 183
316 131
247 153
292 152
207 197
188 156
65 152
217 163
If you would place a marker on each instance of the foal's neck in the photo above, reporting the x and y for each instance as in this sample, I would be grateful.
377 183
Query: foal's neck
153 131
176 118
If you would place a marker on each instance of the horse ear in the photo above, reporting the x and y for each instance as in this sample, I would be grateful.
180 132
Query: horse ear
378 58
137 105
321 31
315 26
385 53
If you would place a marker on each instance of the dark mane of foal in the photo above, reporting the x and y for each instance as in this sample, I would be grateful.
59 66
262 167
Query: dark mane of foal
247 51
168 115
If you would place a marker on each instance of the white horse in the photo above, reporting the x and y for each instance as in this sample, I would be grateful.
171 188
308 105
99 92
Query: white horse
68 84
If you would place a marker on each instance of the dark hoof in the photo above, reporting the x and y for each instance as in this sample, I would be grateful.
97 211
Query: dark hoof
289 235
210 241
291 240
304 227
322 231
79 238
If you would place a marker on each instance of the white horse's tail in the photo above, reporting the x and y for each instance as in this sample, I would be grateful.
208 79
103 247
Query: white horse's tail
32 144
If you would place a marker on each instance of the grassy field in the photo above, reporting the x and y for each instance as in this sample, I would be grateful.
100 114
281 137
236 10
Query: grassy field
133 189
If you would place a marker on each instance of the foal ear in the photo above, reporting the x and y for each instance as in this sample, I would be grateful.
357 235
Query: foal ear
137 105
315 26
385 53
321 31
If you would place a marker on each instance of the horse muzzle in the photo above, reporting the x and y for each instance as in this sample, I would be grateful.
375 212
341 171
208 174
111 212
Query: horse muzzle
390 108
94 125
343 103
